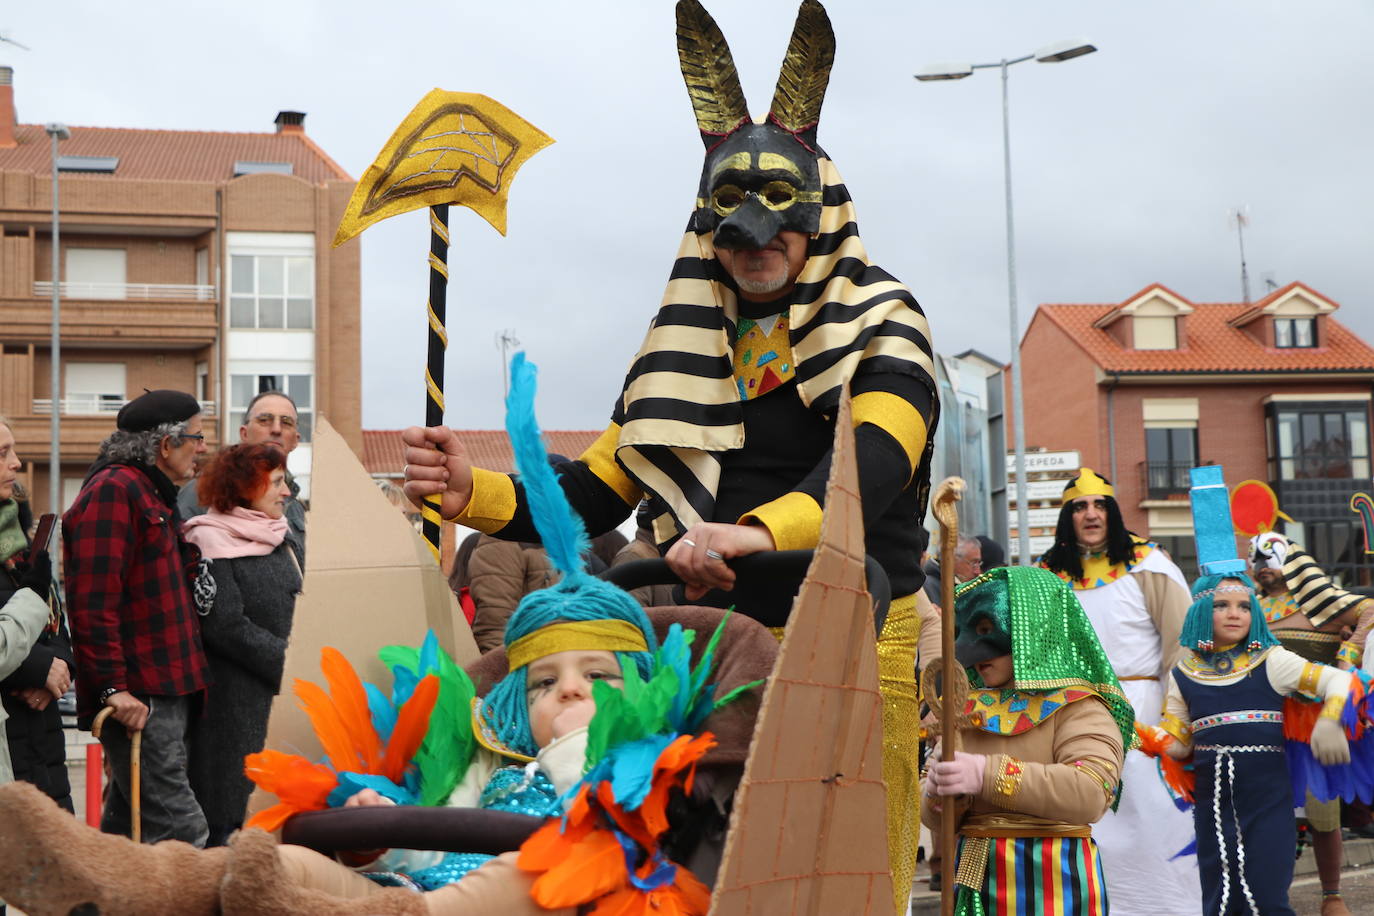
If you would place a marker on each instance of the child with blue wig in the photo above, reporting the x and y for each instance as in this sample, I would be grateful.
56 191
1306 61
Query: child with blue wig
1224 707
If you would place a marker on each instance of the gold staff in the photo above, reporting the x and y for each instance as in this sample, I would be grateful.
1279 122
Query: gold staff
453 148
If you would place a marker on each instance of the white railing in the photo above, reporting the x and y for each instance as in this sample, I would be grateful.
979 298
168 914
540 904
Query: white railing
196 291
94 405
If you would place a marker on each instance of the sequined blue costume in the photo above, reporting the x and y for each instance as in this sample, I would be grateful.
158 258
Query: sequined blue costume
509 789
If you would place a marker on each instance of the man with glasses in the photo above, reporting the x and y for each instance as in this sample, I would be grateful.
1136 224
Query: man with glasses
270 419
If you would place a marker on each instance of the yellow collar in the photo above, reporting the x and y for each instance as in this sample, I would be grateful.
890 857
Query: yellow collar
1011 711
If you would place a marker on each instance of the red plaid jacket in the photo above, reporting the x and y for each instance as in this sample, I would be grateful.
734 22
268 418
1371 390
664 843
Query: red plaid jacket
133 620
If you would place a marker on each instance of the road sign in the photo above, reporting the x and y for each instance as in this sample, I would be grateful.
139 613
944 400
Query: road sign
1040 490
1038 545
1037 518
1040 462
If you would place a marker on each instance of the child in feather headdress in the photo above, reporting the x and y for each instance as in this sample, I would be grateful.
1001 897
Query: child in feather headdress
532 727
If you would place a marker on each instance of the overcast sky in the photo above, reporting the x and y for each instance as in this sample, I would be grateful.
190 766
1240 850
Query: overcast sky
1126 162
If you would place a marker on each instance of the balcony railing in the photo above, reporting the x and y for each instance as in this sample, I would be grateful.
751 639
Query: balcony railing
95 406
182 291
1164 479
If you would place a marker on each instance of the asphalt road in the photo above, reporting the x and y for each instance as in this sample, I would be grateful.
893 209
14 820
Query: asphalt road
1357 888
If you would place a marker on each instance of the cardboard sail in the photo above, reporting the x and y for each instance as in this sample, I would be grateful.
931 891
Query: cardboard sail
370 581
807 833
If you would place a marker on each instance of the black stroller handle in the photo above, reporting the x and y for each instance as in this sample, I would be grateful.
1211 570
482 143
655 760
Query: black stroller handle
757 574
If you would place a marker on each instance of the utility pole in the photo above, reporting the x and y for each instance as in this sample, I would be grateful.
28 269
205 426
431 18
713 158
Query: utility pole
1241 216
506 341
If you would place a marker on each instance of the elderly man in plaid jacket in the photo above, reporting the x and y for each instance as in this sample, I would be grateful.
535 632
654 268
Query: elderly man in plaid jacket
132 601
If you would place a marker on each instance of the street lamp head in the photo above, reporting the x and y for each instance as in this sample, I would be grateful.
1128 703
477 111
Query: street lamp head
58 131
1064 50
944 72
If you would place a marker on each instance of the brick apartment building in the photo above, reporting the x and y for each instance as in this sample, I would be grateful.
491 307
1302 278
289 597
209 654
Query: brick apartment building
195 260
1277 391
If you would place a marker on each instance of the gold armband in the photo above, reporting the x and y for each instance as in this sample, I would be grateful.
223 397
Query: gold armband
1177 729
1008 779
1094 772
1349 653
1307 682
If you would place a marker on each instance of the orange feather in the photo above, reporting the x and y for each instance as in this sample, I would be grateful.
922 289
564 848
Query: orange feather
593 867
271 819
328 725
350 699
1180 778
548 846
412 722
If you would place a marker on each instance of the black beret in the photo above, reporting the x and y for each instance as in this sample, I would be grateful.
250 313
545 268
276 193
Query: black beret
154 408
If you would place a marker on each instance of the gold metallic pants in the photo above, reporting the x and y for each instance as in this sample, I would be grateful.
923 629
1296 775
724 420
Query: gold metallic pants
901 737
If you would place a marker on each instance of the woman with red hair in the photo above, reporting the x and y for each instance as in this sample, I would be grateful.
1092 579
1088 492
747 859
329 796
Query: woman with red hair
257 574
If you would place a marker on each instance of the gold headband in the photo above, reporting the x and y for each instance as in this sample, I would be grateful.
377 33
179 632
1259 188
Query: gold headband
576 635
1087 483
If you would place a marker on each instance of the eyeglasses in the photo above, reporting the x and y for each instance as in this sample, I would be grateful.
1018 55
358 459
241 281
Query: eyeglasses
199 436
266 420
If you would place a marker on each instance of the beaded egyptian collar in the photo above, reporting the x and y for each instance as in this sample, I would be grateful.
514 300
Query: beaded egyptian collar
1098 570
1223 663
1010 712
1278 607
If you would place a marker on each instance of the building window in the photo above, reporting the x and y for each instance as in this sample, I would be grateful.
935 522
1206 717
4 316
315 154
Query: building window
271 291
243 388
1154 332
1316 443
1182 549
1295 332
96 273
1169 454
93 388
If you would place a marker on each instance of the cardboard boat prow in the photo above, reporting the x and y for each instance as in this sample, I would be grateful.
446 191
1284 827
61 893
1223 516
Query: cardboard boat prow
807 833
370 581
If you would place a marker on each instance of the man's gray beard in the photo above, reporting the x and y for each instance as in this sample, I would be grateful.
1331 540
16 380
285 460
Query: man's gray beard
763 287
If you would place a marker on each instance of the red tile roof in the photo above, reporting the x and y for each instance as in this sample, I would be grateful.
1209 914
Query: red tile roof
172 155
383 452
1211 343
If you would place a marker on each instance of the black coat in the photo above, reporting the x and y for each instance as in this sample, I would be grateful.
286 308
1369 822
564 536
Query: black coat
37 743
245 637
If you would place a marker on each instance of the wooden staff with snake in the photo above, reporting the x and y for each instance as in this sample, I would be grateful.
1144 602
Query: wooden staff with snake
951 675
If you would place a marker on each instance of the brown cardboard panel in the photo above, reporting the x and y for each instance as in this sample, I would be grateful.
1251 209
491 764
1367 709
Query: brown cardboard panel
820 715
370 581
853 893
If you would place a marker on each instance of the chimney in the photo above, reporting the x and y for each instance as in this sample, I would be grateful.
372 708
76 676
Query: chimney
290 122
8 117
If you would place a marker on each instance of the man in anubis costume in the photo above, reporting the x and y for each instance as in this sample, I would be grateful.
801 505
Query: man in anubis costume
1307 612
726 418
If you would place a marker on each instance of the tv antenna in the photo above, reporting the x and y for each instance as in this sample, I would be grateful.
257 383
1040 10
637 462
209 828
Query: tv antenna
1240 218
5 37
506 340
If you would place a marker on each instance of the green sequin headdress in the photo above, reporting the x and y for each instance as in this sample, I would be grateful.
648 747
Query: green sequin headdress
1053 643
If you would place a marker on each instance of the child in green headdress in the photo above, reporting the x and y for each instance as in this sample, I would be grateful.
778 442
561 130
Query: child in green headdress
1044 735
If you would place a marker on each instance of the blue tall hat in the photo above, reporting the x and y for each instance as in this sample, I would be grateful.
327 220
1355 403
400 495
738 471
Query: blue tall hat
1215 536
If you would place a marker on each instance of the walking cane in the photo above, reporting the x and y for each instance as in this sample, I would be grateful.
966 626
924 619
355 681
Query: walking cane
952 677
135 770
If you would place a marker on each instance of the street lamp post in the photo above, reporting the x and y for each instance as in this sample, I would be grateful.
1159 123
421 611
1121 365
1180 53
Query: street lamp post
57 132
1050 54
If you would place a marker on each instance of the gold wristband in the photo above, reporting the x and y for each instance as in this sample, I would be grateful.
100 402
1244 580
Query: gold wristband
1349 653
1333 707
1008 779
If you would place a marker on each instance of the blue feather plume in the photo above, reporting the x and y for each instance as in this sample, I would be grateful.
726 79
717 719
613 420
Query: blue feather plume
563 534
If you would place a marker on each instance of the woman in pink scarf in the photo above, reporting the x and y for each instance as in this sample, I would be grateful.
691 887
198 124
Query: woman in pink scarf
257 575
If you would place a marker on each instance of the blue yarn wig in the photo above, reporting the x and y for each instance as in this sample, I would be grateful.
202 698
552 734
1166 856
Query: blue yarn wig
1197 626
578 595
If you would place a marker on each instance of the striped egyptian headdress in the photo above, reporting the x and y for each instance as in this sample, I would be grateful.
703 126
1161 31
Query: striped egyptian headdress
681 409
1318 597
